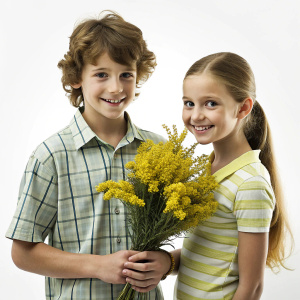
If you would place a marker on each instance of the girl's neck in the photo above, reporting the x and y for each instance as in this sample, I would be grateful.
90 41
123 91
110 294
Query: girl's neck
228 150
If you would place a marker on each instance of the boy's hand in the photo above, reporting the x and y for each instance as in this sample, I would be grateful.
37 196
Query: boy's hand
110 267
144 276
45 260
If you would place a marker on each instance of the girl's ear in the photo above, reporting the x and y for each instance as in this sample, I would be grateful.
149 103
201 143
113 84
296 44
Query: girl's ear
245 108
76 86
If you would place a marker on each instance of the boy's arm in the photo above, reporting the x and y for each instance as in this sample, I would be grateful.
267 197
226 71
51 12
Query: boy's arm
253 249
45 260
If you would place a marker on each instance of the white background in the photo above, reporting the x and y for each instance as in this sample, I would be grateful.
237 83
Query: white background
34 37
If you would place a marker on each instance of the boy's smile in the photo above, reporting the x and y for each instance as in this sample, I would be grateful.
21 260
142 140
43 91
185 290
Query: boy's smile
112 101
108 88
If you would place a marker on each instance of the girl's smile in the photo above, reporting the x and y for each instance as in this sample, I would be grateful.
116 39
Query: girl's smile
203 129
209 111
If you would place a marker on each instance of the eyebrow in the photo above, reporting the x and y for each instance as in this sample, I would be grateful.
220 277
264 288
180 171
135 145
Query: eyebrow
209 97
127 69
186 98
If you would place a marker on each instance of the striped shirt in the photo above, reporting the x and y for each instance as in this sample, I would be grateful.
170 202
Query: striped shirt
209 256
58 200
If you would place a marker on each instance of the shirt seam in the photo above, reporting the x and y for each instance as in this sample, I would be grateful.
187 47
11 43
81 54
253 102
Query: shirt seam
48 171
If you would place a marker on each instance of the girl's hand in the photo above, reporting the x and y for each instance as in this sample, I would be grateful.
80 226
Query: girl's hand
145 269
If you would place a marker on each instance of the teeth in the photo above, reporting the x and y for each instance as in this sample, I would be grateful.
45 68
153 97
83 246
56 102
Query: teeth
201 128
112 101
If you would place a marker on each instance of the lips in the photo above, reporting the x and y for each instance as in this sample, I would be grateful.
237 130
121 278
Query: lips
203 128
113 101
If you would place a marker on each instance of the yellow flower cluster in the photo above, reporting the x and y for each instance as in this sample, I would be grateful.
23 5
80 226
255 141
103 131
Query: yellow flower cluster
185 181
159 165
190 201
168 191
121 190
171 174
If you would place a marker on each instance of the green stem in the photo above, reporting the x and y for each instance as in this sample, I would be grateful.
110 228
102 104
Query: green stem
127 293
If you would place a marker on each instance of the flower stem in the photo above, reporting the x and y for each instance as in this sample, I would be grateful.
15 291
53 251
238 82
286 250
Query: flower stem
127 293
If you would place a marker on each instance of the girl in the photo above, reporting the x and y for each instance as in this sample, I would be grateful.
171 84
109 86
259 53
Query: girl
225 257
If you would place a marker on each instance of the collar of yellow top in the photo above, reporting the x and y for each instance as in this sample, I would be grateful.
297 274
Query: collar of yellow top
243 160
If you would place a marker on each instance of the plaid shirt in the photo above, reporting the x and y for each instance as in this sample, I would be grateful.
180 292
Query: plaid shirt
58 200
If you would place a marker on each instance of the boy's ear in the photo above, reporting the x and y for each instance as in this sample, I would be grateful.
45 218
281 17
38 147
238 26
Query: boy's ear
76 86
245 108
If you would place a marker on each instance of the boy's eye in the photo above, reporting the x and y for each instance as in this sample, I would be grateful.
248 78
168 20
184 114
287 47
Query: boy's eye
211 103
101 75
188 103
127 75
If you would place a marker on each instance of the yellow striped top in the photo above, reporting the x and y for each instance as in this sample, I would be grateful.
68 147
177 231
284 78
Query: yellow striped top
209 256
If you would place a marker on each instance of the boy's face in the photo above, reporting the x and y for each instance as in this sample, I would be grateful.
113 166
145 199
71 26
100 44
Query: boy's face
107 87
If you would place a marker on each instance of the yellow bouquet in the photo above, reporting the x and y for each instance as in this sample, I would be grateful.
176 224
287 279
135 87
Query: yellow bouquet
168 191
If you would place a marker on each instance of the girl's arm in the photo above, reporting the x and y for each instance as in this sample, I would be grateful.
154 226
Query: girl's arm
176 254
252 255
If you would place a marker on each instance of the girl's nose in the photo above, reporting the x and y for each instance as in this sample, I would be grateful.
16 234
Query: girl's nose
198 115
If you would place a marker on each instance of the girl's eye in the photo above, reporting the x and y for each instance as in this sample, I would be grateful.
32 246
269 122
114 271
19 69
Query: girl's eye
211 103
188 103
127 75
101 75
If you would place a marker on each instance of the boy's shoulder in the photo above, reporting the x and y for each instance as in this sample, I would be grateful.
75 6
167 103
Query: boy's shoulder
63 140
54 146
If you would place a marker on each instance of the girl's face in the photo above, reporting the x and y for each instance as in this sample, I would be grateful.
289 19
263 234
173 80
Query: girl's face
209 112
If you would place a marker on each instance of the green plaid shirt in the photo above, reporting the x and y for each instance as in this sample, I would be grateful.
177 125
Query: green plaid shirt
58 200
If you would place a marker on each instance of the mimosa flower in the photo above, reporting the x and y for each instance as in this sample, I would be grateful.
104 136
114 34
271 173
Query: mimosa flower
168 191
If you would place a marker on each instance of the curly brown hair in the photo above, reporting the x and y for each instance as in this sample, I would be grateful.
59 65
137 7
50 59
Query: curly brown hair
123 42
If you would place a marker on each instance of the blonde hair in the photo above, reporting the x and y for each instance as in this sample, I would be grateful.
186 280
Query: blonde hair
236 74
122 41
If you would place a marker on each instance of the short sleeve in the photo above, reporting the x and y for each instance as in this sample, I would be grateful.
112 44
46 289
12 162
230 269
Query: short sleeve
37 204
254 205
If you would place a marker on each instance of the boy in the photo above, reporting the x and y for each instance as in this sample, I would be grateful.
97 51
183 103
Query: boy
88 243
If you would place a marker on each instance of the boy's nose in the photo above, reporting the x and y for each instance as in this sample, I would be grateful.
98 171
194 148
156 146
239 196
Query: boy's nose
115 87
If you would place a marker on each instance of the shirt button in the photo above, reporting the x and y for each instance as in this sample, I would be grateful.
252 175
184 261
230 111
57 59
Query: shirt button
117 211
118 240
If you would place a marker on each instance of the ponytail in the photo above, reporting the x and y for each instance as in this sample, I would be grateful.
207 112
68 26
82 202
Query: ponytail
257 132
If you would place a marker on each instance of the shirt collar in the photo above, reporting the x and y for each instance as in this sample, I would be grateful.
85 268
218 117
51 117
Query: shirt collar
82 133
240 162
